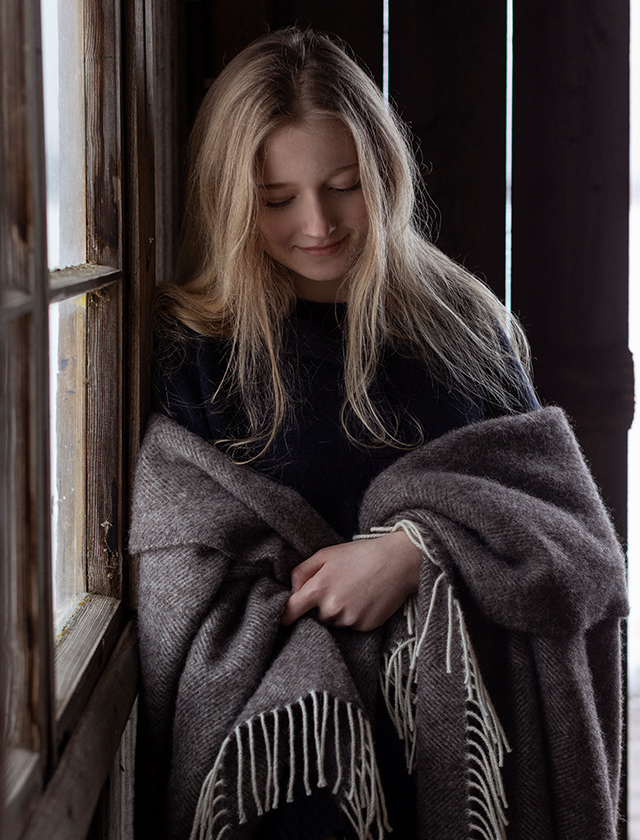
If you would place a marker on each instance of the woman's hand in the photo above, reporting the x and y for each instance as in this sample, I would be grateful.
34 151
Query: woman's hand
358 584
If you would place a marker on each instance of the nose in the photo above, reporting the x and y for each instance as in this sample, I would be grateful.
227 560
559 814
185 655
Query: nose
317 220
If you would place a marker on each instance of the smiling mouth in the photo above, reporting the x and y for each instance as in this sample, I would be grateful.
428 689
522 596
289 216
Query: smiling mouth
324 250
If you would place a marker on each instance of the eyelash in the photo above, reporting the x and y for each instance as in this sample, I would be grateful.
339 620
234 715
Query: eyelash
280 205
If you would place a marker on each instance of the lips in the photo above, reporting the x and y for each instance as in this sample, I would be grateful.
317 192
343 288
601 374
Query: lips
324 250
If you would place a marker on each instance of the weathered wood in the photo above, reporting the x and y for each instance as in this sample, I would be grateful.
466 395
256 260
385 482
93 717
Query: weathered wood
121 788
105 442
25 548
15 168
13 304
82 651
570 219
81 279
170 64
447 74
38 558
104 131
359 23
113 817
141 221
68 803
22 784
20 659
105 237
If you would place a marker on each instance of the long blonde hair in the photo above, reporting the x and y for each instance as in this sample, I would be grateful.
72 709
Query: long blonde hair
402 292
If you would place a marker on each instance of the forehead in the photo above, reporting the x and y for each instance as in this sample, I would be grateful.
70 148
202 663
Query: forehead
307 150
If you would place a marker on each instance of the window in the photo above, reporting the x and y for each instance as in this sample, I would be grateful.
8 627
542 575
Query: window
65 459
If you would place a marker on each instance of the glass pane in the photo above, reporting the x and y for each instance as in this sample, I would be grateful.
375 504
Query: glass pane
63 76
67 374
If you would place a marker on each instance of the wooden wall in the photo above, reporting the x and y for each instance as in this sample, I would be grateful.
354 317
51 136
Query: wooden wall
570 219
447 72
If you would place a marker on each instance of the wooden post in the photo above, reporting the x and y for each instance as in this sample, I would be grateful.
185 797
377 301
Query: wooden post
140 239
447 67
570 219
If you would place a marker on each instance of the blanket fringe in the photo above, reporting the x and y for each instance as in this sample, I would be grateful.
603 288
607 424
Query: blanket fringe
486 739
256 742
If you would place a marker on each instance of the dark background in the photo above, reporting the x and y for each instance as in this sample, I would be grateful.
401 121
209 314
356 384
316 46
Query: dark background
447 68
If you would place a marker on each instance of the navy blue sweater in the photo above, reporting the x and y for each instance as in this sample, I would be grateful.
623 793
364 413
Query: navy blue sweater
311 452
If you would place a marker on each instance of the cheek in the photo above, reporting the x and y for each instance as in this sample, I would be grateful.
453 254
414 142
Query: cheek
360 215
273 232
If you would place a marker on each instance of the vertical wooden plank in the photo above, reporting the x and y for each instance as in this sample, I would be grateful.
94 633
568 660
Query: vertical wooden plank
140 202
105 449
104 442
230 27
39 557
19 657
359 23
103 128
15 195
570 219
26 726
447 70
170 67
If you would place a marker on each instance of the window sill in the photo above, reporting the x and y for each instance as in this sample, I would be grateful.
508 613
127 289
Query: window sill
81 651
65 809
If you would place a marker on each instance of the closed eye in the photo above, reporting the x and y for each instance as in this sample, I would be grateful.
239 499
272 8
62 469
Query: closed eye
278 205
355 187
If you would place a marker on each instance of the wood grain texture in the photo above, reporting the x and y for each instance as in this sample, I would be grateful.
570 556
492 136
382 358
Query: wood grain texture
22 784
39 556
141 230
19 656
104 132
28 689
447 74
105 241
105 419
113 817
68 803
81 279
15 164
359 23
170 67
570 219
82 651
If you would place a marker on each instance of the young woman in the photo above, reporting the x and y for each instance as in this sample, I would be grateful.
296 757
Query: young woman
324 372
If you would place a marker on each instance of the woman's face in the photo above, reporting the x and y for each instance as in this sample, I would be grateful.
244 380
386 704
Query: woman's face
313 218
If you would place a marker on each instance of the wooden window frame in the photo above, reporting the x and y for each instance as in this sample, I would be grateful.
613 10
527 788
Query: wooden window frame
75 721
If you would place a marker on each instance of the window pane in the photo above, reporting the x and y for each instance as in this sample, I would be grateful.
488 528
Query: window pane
67 331
63 74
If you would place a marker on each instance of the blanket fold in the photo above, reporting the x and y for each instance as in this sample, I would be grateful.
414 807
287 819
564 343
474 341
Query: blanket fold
501 676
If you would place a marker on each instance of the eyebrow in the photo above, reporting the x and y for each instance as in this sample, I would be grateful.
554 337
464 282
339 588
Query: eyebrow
331 174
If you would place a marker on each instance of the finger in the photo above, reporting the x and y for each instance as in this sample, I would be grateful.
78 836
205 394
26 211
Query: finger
304 571
298 604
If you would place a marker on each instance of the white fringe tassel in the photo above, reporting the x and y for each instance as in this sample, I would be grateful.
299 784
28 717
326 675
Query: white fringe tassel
486 739
361 796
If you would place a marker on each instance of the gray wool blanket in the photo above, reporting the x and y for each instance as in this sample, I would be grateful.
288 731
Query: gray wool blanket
501 676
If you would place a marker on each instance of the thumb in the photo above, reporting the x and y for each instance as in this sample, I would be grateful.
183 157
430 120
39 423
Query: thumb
298 604
302 598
